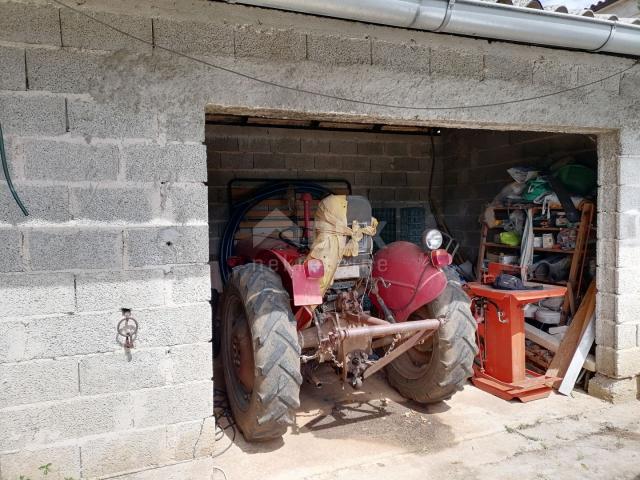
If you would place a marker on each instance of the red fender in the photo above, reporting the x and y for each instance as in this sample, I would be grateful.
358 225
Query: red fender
410 277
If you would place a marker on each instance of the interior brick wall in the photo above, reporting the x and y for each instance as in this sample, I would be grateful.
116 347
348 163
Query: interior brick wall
391 170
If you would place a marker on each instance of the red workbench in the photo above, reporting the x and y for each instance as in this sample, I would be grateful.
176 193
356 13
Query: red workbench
500 368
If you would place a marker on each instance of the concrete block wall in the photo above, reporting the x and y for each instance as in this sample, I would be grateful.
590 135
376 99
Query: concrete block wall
117 219
391 170
476 164
618 307
138 100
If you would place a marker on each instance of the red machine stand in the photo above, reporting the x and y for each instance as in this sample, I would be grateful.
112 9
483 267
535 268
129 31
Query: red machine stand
501 370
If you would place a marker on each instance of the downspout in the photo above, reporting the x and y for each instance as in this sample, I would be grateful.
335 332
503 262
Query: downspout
478 19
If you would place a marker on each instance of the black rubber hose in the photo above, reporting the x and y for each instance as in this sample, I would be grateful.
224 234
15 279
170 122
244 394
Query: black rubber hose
5 168
241 209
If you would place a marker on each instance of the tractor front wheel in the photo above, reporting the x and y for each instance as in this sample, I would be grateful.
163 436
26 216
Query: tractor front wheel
260 353
434 370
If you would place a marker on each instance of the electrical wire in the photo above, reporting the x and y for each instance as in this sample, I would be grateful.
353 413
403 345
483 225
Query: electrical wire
223 414
338 97
5 168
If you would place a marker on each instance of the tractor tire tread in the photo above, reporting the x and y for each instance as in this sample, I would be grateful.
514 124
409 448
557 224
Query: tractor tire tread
276 391
456 350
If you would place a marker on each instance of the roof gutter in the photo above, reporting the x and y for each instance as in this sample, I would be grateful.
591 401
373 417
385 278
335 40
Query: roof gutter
477 19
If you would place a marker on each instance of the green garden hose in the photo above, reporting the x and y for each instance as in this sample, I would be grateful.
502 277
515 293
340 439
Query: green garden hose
5 168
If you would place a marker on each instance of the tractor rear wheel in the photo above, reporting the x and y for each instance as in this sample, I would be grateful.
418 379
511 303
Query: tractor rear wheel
260 353
434 370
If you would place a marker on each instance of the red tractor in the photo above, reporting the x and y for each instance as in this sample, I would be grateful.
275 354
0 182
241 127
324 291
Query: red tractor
288 306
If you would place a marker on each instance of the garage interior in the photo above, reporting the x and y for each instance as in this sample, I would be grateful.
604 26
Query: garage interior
415 178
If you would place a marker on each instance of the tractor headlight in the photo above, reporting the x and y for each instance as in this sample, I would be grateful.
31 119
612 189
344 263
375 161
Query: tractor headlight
432 239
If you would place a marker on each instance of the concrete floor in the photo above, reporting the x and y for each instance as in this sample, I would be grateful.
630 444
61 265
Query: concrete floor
375 434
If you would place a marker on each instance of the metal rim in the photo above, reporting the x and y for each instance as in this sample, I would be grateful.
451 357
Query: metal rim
239 353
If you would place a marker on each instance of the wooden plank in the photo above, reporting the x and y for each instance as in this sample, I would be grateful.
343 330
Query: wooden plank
566 351
580 355
552 343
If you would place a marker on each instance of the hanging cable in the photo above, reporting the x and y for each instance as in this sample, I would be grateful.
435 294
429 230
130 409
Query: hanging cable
5 168
338 97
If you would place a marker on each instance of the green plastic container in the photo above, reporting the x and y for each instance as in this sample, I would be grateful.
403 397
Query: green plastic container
577 178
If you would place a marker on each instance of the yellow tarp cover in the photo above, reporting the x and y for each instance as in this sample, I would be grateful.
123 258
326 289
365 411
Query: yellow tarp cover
334 239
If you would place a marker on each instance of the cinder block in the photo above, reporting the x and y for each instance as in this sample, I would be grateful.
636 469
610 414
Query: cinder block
113 120
173 404
43 423
593 73
629 140
368 179
370 148
25 463
415 179
173 325
187 439
338 50
605 332
629 84
456 62
394 179
236 160
627 308
36 294
381 194
628 198
551 72
66 249
25 23
284 144
627 362
32 113
508 68
132 289
222 143
407 164
13 70
356 163
44 203
381 164
314 146
66 161
38 381
171 163
189 284
167 245
607 225
408 56
11 251
50 337
64 70
254 144
608 198
183 122
125 451
268 160
194 38
347 147
185 202
625 336
629 170
134 205
82 32
118 372
328 162
270 43
422 150
627 252
627 280
12 341
606 253
614 390
408 194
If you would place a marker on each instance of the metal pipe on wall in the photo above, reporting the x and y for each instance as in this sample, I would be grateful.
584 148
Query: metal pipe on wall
478 19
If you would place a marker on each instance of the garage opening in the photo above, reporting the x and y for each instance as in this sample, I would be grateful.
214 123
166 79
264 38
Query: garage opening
518 204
